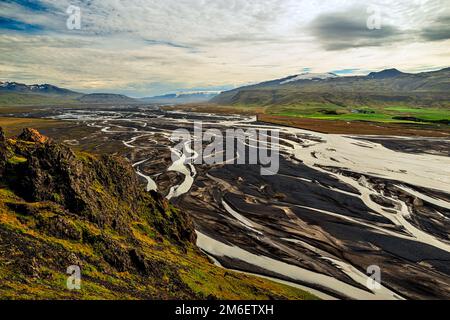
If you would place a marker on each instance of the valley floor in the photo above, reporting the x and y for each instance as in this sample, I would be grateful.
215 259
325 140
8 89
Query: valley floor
366 124
339 204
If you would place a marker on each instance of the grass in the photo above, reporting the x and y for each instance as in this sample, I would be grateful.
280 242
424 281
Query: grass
375 117
196 272
14 99
202 280
421 113
13 126
17 160
330 118
363 113
328 111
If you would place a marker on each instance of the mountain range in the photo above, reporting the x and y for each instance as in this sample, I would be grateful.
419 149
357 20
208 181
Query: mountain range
41 89
387 87
14 93
183 97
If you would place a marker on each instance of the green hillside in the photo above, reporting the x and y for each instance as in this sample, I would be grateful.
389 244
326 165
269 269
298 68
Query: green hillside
26 99
383 96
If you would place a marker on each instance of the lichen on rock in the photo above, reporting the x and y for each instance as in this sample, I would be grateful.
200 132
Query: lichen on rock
32 135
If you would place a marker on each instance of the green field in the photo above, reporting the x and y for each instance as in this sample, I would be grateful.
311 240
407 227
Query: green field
14 99
382 114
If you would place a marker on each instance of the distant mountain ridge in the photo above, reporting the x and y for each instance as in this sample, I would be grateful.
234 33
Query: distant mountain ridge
386 87
43 89
106 98
310 76
14 93
385 74
182 97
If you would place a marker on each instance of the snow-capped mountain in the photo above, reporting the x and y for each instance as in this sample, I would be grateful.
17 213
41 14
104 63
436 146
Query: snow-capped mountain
47 93
310 76
183 97
385 86
42 89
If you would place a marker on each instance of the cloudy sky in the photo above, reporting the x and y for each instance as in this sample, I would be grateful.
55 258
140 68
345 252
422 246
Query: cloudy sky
149 47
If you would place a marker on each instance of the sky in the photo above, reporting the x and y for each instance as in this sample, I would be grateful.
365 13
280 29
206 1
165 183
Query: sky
150 47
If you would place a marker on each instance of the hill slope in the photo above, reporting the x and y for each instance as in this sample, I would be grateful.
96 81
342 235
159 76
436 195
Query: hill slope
19 94
29 99
38 89
106 98
181 98
59 208
386 88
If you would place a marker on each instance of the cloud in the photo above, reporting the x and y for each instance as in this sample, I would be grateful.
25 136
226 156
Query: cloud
166 43
42 17
34 5
345 30
439 30
145 47
11 24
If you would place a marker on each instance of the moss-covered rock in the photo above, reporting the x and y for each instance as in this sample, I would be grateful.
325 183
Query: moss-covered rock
104 190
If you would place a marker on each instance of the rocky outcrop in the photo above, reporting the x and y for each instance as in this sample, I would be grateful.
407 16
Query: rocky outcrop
32 135
89 201
103 189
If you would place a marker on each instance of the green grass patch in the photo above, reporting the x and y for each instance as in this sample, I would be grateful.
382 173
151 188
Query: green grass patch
420 113
28 99
17 160
362 113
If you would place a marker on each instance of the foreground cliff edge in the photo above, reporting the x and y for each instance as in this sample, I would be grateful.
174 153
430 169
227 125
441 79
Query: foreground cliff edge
60 208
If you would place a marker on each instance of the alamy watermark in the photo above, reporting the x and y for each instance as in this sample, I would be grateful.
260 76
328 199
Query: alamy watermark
73 22
253 146
374 277
375 18
74 280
